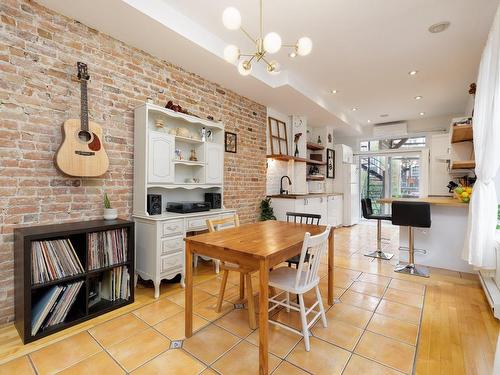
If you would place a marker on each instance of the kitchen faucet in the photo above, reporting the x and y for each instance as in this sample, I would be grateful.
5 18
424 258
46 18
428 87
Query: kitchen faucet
283 191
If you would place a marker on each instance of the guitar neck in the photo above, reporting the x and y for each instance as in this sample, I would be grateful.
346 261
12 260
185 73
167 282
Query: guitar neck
84 106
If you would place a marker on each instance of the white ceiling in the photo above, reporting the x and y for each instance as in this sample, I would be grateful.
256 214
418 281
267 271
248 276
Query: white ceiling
363 49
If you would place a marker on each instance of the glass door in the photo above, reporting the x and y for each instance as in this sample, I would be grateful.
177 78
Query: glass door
395 175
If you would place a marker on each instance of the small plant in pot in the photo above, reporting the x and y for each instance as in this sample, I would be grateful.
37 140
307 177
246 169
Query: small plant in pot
109 213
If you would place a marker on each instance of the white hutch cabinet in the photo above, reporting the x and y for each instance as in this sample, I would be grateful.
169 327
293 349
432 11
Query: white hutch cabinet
164 141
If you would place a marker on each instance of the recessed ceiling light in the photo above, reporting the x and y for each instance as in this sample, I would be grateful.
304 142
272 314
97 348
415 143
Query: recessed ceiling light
439 27
354 109
418 97
369 121
384 115
422 113
333 91
413 72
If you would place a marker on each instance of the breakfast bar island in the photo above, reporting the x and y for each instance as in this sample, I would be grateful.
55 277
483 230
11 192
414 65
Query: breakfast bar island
440 245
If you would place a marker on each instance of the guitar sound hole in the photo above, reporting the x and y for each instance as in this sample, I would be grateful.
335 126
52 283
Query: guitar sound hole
84 136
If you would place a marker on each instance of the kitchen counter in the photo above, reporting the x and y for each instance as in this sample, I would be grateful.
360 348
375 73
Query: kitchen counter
300 196
434 201
444 240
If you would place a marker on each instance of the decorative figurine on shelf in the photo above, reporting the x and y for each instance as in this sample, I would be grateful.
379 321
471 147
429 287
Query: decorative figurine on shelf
319 139
159 123
296 141
206 135
178 154
193 155
314 170
329 137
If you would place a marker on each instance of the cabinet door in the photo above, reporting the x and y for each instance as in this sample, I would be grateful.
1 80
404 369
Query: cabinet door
332 214
339 209
214 157
161 152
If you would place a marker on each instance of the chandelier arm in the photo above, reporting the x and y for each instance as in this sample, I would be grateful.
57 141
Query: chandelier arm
248 35
253 57
247 54
289 45
267 62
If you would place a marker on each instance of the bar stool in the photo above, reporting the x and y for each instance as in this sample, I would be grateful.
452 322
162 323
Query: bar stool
411 215
366 206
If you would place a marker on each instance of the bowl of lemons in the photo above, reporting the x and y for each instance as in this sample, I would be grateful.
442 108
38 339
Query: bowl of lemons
463 193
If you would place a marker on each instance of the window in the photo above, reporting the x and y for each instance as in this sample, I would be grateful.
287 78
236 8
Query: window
392 144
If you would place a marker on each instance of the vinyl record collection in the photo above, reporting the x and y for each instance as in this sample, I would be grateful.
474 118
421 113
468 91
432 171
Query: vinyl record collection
54 306
116 284
107 248
52 260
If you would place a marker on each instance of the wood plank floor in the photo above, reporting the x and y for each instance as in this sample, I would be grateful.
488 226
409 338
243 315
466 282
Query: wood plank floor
458 332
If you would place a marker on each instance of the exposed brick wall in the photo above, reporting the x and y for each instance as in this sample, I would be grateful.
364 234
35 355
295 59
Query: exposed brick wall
38 53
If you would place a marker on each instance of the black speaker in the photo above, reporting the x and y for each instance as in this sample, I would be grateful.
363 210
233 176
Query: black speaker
154 204
214 199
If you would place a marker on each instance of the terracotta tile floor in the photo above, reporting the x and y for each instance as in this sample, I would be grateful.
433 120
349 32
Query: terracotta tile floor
374 327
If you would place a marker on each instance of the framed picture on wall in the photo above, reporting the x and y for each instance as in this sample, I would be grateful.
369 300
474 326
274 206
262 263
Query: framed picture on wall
330 163
231 142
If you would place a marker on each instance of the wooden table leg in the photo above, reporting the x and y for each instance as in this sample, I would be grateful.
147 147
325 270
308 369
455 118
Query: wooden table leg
330 267
188 310
263 317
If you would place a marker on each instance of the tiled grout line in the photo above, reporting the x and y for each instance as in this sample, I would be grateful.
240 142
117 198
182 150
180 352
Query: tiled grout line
31 363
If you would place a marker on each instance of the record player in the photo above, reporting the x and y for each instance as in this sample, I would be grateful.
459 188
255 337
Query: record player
188 207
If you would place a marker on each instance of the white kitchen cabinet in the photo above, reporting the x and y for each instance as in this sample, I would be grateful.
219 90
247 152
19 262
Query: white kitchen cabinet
161 153
438 173
318 206
335 210
214 156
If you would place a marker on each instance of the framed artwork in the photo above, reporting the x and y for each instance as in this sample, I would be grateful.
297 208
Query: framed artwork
330 163
278 137
230 142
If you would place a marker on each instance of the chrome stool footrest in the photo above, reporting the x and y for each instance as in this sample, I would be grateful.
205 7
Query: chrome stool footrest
412 269
379 254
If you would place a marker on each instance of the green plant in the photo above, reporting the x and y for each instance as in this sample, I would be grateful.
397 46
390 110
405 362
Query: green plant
107 203
266 211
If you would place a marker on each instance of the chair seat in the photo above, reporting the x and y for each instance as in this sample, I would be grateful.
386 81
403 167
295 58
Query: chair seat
284 279
380 217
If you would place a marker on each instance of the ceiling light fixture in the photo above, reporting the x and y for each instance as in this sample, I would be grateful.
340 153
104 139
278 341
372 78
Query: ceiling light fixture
369 121
418 97
264 44
354 109
333 91
439 27
422 113
384 115
413 72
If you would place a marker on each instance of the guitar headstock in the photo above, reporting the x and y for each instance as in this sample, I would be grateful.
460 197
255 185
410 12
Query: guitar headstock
82 71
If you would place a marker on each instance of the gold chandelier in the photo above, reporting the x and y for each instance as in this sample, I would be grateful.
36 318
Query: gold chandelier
268 44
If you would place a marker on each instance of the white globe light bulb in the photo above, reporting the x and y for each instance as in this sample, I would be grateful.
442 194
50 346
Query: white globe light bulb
231 53
231 18
272 42
273 67
245 68
304 46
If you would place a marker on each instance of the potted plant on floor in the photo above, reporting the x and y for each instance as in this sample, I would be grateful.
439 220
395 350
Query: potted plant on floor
266 210
109 212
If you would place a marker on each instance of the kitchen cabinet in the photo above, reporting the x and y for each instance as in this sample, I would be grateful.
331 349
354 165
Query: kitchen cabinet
335 209
215 163
161 153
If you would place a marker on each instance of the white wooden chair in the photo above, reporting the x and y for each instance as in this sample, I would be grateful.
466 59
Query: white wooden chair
300 281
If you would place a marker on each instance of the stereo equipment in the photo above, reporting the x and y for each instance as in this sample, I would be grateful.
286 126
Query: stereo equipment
154 204
214 199
187 207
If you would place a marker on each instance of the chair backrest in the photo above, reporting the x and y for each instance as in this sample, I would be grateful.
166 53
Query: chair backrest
314 247
366 207
411 214
215 225
303 218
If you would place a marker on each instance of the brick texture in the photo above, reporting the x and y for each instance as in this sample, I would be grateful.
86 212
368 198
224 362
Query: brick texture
38 53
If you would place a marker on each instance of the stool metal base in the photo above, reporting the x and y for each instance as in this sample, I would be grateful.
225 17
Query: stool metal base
411 269
379 254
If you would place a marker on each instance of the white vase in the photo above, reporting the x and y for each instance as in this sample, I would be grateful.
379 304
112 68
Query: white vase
110 213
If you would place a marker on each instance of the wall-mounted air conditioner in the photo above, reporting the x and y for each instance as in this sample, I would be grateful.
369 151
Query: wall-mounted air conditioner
390 130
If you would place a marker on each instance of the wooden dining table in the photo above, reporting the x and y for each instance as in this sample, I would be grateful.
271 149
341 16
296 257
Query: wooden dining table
258 246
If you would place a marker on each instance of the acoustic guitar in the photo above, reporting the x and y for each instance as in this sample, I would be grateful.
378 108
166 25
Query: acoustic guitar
81 153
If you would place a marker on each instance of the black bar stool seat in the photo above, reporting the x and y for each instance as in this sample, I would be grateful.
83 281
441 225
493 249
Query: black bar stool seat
366 206
411 215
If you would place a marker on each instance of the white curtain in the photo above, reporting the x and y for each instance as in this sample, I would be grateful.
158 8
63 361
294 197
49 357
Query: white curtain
479 248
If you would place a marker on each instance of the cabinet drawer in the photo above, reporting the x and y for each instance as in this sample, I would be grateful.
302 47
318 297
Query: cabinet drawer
170 228
198 223
171 262
172 245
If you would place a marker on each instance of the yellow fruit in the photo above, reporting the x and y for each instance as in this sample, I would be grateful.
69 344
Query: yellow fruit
469 190
464 195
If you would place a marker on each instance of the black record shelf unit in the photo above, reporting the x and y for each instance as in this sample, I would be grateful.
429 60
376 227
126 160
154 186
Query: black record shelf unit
27 293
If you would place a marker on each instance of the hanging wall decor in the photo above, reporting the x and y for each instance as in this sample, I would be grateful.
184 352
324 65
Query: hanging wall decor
330 163
230 142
